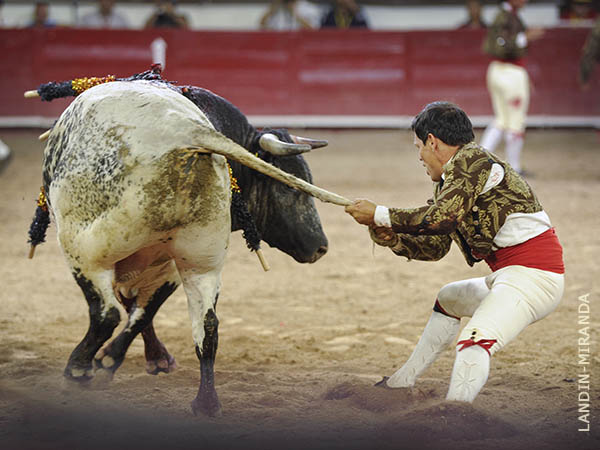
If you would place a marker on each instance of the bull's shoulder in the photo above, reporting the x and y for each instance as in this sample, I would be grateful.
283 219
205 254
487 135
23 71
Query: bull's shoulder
222 114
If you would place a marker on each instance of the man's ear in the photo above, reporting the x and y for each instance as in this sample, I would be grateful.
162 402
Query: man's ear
431 141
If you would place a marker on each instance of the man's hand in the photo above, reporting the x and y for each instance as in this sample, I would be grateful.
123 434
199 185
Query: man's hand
583 85
383 236
534 34
383 233
362 210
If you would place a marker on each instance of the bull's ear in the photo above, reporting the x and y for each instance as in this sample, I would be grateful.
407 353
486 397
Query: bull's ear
271 143
312 142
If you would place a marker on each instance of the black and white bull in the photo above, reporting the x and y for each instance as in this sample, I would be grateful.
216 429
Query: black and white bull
140 207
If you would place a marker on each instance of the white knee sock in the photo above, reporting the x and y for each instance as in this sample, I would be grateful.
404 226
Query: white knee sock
491 138
439 332
470 372
514 144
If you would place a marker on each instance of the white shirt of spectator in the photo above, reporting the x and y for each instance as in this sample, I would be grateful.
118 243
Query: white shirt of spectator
282 20
97 20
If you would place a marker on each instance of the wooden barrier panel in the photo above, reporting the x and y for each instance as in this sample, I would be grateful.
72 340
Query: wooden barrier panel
327 72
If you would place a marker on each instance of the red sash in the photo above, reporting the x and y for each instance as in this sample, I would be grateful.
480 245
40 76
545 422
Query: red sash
542 252
517 62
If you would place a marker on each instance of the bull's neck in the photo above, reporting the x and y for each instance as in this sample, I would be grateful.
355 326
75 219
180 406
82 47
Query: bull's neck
251 185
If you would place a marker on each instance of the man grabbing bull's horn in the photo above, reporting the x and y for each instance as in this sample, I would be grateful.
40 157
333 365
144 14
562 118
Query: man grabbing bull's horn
482 204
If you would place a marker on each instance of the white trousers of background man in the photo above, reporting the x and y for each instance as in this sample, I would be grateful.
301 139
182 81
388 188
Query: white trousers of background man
508 85
500 305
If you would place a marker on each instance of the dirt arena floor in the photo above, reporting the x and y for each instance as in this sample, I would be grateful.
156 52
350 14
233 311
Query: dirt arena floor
302 345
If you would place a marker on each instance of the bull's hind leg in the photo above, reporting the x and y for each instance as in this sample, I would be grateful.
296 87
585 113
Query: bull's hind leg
202 291
141 310
104 317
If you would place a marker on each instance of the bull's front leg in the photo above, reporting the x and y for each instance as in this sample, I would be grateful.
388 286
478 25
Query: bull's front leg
140 316
158 359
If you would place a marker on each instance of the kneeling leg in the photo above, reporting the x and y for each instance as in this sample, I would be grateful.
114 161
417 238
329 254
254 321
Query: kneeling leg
455 300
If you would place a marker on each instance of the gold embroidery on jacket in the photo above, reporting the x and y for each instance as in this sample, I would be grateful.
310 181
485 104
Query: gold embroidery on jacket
460 212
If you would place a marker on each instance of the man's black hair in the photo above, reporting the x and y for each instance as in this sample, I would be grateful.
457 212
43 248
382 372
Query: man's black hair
445 121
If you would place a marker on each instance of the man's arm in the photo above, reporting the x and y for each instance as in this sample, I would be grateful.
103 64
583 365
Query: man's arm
590 54
422 248
463 182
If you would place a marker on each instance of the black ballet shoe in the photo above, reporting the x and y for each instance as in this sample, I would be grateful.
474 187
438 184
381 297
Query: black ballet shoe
383 383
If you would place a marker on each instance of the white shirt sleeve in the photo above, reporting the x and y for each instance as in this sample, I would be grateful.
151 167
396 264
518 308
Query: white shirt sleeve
382 217
521 40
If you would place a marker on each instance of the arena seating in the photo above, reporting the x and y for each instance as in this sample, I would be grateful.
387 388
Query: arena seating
354 73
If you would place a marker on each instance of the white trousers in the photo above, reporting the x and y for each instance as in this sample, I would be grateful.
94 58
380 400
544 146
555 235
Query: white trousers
508 85
500 305
503 303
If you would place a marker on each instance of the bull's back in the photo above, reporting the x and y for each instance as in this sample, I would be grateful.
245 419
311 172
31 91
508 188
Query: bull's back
120 172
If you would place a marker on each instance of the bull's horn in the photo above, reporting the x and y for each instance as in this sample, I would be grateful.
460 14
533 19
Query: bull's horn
215 142
42 137
271 143
312 142
31 94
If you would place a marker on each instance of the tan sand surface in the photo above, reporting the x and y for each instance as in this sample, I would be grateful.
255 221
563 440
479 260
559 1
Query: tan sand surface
301 346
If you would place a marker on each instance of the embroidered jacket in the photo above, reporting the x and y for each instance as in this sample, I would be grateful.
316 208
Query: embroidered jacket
505 35
591 53
461 211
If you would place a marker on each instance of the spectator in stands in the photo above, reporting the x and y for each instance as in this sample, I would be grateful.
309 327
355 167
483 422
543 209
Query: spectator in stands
507 42
104 17
290 15
165 16
474 21
1 18
590 55
344 14
577 12
41 16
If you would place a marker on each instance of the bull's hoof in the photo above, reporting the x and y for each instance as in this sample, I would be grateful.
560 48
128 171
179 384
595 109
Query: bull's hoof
104 370
165 364
208 405
79 376
104 361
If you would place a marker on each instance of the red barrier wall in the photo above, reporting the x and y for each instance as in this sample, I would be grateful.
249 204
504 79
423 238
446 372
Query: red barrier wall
355 72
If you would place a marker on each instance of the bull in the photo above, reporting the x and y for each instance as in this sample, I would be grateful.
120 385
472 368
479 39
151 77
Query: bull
142 203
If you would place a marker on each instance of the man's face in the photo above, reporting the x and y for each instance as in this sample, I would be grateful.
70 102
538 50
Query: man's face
429 157
517 4
41 12
106 6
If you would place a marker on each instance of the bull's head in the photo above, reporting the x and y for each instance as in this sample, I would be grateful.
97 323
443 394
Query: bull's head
286 218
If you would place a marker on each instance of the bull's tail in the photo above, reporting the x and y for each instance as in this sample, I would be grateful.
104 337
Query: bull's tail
214 142
39 225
